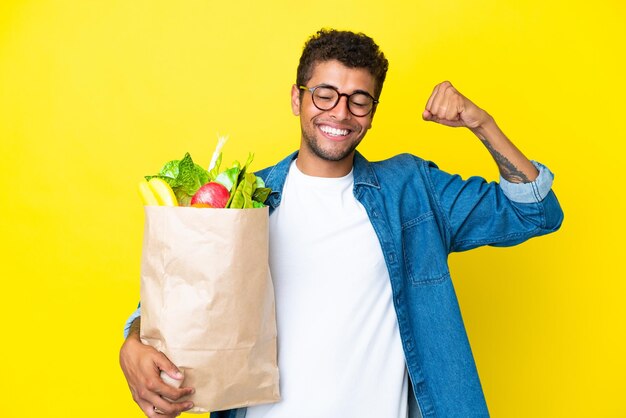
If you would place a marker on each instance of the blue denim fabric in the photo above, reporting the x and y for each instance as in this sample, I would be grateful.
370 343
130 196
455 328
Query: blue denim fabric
420 215
130 320
532 192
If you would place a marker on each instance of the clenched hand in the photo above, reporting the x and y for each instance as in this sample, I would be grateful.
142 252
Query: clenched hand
450 108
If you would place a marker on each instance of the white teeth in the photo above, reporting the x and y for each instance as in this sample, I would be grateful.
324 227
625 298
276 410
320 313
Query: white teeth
333 131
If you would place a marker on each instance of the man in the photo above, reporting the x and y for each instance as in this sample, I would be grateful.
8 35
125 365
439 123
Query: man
368 322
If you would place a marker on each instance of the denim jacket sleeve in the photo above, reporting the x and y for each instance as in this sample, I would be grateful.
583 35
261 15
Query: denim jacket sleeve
130 320
478 213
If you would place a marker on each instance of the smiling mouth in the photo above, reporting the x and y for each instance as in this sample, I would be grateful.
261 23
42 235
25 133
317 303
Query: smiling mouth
334 132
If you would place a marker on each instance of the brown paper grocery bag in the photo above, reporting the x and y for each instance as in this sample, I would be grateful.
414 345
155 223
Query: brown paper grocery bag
207 302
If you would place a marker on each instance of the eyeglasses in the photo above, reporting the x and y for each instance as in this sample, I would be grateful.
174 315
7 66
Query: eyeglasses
325 97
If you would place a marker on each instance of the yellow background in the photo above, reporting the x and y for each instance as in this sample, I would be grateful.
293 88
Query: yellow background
94 95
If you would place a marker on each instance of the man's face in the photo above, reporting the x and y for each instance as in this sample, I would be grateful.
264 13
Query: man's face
332 135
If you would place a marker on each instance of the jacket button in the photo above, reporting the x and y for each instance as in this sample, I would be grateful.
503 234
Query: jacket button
409 344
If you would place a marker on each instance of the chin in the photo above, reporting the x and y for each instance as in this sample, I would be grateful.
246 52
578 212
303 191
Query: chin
332 154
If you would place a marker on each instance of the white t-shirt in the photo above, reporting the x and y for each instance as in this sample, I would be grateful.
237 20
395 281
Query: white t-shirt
339 348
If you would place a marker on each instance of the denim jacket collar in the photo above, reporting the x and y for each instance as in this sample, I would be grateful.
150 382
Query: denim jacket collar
363 176
363 173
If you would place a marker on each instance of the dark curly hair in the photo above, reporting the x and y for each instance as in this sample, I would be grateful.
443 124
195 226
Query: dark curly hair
354 50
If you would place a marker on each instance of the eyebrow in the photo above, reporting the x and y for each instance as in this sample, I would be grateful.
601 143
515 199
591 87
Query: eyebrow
337 88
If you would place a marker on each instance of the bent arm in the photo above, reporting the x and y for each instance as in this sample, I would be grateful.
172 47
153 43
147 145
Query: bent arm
448 107
479 213
512 164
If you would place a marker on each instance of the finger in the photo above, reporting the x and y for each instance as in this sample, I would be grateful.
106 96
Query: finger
453 109
445 122
438 103
166 407
152 412
437 92
156 388
426 115
164 363
160 414
175 383
448 93
434 118
429 103
160 388
170 379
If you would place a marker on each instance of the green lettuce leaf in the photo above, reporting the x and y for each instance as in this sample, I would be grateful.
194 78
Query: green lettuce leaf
184 177
228 178
260 194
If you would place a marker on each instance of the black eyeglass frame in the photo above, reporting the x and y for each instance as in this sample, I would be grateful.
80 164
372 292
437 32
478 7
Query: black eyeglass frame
339 95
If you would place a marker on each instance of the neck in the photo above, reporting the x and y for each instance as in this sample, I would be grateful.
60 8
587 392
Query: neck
312 165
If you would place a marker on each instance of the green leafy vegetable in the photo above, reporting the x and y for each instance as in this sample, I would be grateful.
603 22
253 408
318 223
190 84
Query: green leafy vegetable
261 193
229 178
184 177
242 198
244 170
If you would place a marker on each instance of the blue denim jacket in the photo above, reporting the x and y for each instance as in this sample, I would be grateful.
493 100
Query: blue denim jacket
420 215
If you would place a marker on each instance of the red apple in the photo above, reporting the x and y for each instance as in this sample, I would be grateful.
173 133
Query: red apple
213 194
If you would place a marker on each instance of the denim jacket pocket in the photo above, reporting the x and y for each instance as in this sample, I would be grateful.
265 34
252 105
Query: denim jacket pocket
425 257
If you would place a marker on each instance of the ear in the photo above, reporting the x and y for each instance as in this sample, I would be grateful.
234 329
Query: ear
295 100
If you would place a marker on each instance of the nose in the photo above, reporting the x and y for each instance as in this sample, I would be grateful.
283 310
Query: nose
341 111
